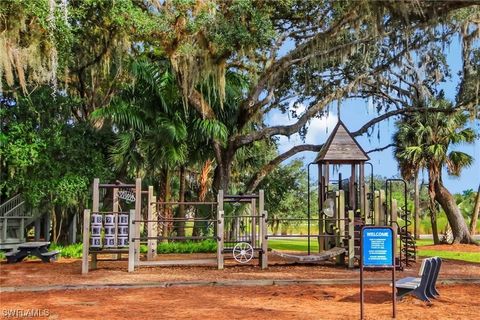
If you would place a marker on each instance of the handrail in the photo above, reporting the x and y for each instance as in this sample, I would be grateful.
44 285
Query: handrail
10 203
16 211
14 207
16 217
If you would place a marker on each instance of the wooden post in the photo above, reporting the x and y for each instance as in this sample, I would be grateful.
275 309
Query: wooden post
131 241
96 196
138 216
322 225
86 240
376 207
4 229
72 229
115 208
220 230
340 195
363 194
263 230
381 206
351 240
352 191
46 226
265 240
38 229
253 232
368 213
115 200
22 229
393 212
154 224
152 246
95 209
327 179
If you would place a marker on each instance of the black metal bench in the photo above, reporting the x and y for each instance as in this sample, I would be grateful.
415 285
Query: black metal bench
38 249
423 287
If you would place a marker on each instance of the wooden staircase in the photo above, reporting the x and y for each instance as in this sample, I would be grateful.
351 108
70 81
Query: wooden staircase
14 219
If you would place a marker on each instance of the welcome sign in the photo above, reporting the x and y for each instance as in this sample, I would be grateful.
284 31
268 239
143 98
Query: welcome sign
377 250
377 247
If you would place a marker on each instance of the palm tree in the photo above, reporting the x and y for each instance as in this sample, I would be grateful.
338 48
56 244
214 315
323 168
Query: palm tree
157 133
405 136
423 141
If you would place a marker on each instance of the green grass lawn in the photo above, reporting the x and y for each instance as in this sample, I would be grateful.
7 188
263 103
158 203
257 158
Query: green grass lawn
463 256
300 244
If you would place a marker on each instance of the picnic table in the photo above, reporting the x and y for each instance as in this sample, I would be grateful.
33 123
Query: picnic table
37 249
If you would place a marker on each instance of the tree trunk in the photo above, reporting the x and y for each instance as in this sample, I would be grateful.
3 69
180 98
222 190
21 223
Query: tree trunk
53 214
476 210
433 210
460 231
416 208
223 170
165 211
181 208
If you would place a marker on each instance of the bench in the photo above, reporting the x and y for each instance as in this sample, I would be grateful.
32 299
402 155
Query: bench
50 255
423 287
38 249
13 256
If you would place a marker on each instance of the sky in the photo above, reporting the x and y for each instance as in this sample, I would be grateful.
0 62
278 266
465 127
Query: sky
356 112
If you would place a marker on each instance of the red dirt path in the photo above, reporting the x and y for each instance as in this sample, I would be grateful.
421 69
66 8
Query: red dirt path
272 302
68 271
258 302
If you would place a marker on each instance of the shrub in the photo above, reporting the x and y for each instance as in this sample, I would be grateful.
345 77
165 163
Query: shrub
69 251
187 247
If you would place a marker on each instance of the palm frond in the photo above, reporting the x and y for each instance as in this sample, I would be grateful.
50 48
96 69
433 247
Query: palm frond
456 161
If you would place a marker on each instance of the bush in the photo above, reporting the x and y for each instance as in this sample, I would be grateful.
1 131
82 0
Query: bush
187 247
70 251
75 250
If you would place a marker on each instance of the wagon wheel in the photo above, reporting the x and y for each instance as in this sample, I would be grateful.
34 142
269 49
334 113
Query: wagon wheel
243 252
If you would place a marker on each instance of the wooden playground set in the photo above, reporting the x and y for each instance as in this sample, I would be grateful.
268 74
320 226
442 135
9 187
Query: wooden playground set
239 224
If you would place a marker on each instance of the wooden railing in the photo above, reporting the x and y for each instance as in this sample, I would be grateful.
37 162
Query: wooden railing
14 209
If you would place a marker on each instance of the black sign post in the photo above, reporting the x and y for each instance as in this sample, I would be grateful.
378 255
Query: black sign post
377 250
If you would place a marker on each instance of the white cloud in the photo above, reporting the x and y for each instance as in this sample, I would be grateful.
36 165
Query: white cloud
318 130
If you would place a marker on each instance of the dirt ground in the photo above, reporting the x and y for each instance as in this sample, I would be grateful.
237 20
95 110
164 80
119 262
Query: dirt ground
68 272
223 302
267 302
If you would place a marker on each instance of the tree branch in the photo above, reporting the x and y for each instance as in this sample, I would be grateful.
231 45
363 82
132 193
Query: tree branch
269 167
250 106
393 113
287 130
381 148
197 100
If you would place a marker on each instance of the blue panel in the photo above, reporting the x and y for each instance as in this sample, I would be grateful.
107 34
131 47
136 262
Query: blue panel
377 248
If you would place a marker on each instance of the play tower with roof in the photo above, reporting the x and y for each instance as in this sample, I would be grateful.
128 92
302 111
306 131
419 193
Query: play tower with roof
345 198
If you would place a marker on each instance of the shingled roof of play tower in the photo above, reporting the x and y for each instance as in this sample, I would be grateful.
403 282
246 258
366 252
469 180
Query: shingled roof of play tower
341 147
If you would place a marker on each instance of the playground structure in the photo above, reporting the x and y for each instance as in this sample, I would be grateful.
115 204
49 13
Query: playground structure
365 206
346 205
113 223
239 224
242 235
